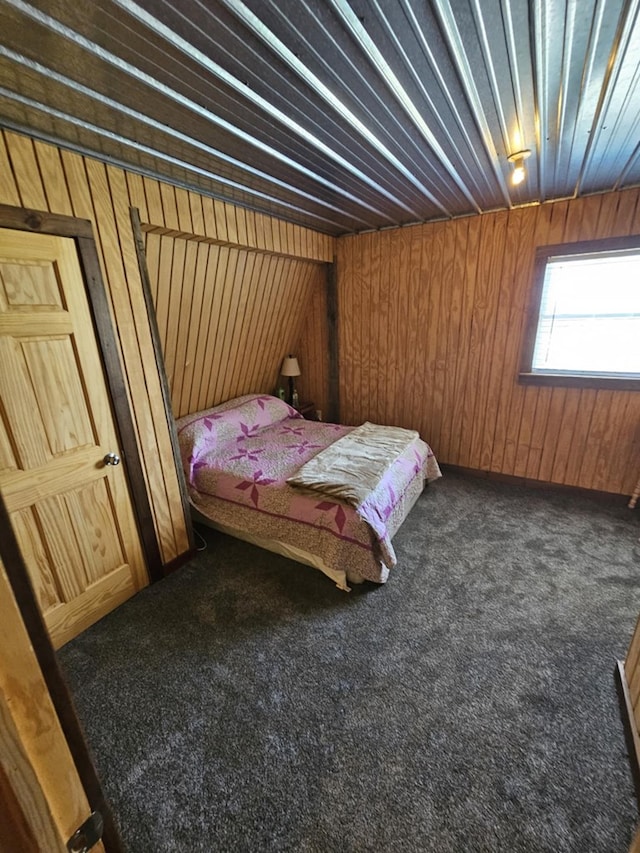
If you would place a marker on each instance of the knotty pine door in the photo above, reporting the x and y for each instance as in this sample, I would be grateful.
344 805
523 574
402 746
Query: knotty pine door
71 513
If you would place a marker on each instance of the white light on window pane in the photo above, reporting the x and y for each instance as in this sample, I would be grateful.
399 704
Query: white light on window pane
590 316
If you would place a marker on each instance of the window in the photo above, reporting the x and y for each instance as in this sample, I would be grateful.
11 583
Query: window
584 324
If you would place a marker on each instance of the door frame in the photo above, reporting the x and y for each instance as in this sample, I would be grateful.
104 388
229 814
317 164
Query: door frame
81 231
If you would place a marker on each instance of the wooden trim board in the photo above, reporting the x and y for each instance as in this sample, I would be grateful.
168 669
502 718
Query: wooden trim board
166 394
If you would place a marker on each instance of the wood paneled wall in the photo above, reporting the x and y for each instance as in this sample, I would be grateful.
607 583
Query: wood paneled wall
43 177
226 316
431 327
313 351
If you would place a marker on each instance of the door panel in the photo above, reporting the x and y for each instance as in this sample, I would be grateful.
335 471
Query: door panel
71 513
54 369
27 530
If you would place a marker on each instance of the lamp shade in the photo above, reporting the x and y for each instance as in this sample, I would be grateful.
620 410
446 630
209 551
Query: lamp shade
290 367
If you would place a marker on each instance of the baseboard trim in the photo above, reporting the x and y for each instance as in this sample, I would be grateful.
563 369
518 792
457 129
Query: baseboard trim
610 497
631 736
178 562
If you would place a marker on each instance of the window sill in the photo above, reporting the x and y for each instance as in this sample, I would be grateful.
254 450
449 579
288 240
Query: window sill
557 380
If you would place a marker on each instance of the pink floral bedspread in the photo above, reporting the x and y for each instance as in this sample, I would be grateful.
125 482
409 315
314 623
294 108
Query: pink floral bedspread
238 455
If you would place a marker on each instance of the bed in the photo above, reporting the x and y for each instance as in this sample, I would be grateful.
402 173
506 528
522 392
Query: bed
255 469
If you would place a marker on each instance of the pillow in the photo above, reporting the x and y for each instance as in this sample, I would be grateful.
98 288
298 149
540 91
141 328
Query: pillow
229 422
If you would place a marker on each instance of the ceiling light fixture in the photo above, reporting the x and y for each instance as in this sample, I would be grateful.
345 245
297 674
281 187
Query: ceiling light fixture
519 173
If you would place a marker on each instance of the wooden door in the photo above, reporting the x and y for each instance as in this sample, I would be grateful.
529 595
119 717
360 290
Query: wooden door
42 799
71 513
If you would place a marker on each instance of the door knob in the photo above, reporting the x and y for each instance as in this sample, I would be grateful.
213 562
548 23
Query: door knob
112 459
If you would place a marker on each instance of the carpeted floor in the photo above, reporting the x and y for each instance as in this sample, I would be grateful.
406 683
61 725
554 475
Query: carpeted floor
246 704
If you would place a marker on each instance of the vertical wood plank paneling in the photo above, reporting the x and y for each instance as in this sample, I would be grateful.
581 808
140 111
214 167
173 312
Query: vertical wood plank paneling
241 227
473 392
392 352
176 277
453 296
349 264
53 178
216 267
238 345
261 222
273 348
463 369
169 207
460 341
251 228
349 398
365 277
490 348
209 216
246 367
595 438
8 189
219 214
501 357
232 223
152 252
226 315
137 197
184 317
183 394
197 213
154 202
424 260
185 222
624 471
388 292
251 364
401 393
440 308
223 271
373 327
230 296
622 434
264 373
628 212
313 346
161 290
25 167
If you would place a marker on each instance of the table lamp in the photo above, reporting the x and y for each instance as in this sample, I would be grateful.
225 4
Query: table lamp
291 368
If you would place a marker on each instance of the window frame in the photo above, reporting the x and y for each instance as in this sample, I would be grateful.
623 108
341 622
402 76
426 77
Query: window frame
571 380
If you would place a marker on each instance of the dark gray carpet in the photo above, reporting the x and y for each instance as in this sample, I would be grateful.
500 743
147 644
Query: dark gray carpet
246 704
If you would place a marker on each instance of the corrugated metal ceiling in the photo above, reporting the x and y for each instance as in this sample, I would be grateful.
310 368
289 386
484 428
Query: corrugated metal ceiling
342 115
